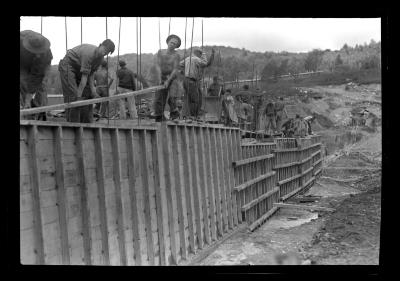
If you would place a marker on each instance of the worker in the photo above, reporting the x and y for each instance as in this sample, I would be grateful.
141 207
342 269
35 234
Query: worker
167 67
194 66
35 61
280 113
102 88
229 114
126 80
245 94
257 103
299 127
77 70
309 120
216 89
287 128
270 115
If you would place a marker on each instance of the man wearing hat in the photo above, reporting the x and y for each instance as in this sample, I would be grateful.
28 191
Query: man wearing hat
194 66
35 61
77 70
126 81
167 65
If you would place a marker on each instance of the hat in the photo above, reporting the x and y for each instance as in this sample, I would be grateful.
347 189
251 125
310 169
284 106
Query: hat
122 63
36 43
176 37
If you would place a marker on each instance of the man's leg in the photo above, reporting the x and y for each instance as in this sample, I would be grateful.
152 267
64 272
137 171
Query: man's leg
86 112
159 103
69 89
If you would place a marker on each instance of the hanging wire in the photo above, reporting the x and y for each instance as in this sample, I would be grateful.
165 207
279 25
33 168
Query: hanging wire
184 71
169 27
137 54
41 25
159 34
66 51
119 40
191 47
140 61
108 91
81 31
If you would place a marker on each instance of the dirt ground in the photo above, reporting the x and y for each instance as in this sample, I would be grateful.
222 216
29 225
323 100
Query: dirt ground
350 183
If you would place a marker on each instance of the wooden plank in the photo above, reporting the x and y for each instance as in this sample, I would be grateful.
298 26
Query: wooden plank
167 174
253 181
259 199
203 187
61 195
118 194
285 150
239 171
228 185
133 198
210 183
127 125
304 207
177 156
84 204
258 222
160 227
231 157
98 143
145 176
252 159
35 179
282 182
216 184
280 166
220 160
195 179
188 183
35 110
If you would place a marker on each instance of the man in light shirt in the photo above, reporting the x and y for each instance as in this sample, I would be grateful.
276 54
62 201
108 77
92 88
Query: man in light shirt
194 66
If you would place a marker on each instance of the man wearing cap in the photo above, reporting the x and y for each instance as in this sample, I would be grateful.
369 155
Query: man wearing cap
216 88
126 81
77 70
35 61
167 67
194 66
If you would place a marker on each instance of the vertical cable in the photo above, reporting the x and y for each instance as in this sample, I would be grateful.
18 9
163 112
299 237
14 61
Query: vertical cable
119 40
140 61
41 25
108 90
81 32
159 34
66 51
137 50
169 27
184 73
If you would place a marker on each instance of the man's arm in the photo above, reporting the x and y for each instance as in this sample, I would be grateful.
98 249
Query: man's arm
111 80
82 85
91 85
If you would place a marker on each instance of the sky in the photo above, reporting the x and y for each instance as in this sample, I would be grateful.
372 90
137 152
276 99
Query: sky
254 34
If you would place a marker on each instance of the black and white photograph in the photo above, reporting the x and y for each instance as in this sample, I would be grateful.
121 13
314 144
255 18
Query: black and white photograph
200 141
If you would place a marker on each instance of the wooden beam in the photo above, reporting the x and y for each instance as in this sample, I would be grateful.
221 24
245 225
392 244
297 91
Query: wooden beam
303 207
98 144
228 185
132 170
85 208
253 181
257 200
280 166
61 196
231 157
118 196
35 176
220 160
88 102
252 159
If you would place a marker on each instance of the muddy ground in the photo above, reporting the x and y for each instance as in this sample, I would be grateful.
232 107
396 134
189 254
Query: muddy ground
350 183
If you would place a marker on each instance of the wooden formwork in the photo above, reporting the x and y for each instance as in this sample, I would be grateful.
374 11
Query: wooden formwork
255 183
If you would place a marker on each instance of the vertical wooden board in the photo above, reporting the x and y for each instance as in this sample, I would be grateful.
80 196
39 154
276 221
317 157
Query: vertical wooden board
127 226
222 179
84 200
210 184
152 196
241 201
230 145
187 158
228 184
144 158
27 246
203 185
168 175
51 238
161 260
36 196
134 197
196 189
120 222
216 177
177 165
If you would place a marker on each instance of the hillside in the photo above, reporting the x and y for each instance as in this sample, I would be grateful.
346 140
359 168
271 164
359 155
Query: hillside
232 63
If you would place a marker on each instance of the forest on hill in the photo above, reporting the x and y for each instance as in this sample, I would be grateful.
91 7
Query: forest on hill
235 63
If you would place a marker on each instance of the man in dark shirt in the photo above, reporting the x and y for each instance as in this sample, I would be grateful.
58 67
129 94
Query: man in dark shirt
126 80
102 88
166 65
216 88
270 114
35 61
77 77
280 112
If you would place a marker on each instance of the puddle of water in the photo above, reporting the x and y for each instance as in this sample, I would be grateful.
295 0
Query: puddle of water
281 219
